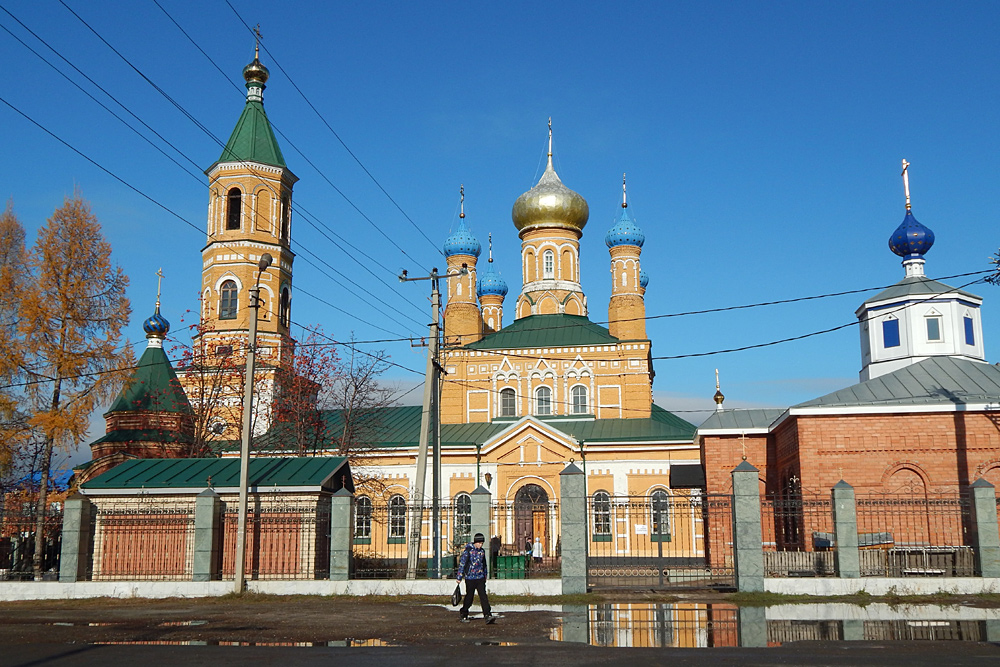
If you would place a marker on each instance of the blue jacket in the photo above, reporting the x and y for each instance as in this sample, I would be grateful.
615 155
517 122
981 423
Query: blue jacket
472 565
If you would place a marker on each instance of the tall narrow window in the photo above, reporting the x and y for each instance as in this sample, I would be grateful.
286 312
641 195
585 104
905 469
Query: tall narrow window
579 400
228 301
933 328
463 518
549 264
602 516
284 312
234 202
661 516
508 402
363 518
890 333
285 214
543 401
970 333
397 519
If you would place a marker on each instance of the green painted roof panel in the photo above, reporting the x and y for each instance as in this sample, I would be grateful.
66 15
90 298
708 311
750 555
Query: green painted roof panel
253 139
546 331
307 471
152 387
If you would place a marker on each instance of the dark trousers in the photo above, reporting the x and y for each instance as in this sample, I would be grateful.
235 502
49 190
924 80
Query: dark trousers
471 587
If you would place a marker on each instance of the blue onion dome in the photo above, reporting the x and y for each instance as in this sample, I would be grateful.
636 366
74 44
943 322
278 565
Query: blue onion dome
911 240
462 242
156 325
490 282
643 279
625 232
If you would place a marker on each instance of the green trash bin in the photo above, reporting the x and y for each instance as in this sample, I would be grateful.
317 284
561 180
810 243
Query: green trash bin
510 567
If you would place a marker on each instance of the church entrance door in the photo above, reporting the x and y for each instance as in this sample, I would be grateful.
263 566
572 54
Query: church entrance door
531 516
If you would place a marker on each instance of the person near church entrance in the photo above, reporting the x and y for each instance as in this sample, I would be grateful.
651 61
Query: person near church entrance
474 568
536 551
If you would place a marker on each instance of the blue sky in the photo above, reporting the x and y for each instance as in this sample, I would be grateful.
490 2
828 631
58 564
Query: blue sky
762 143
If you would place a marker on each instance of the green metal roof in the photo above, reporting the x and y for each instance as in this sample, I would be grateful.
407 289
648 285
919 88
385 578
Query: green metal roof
400 427
919 286
933 381
280 472
152 387
253 139
545 331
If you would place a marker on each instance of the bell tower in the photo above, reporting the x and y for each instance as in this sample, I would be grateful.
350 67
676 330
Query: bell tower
627 308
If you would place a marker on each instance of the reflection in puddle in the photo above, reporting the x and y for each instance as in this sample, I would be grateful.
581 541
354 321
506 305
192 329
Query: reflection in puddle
691 625
193 642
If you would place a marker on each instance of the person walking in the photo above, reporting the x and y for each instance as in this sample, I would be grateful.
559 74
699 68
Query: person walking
536 551
474 568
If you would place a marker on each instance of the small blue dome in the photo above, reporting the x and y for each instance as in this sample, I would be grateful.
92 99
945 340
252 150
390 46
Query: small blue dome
462 242
625 232
156 325
490 282
643 279
911 240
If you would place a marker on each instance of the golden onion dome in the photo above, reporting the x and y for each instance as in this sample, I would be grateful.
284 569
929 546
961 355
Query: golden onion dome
256 72
550 204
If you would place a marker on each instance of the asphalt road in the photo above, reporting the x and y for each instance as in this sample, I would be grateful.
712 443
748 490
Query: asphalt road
933 654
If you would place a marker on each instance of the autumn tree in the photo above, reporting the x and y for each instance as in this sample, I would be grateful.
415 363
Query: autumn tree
14 428
70 324
302 390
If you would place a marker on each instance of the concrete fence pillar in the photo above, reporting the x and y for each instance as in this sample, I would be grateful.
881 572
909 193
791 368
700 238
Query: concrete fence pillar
341 534
76 548
748 549
985 534
480 512
207 536
845 531
573 529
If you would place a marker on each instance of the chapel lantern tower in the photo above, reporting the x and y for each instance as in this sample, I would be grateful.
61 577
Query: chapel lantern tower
462 320
627 307
491 290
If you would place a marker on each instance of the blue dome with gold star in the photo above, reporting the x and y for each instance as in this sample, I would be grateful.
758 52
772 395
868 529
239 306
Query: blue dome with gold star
462 242
625 232
643 279
490 282
911 240
156 325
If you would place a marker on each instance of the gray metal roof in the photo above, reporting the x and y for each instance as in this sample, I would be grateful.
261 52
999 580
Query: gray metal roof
920 286
741 419
933 381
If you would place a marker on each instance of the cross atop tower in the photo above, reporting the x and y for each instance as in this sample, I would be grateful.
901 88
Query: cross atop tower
461 192
490 237
550 138
257 37
624 201
159 279
906 182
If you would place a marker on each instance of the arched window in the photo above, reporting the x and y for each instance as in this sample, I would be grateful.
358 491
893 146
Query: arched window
363 518
549 264
284 312
543 401
228 301
602 516
234 200
285 215
463 518
579 400
660 516
508 402
397 518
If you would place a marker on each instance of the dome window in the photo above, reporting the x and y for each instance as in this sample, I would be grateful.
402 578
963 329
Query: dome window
549 264
934 328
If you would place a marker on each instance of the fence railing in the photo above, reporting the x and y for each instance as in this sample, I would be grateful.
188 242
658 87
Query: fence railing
17 542
660 540
797 532
285 539
145 539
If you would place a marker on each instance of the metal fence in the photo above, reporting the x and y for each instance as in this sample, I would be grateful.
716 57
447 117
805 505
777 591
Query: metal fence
143 539
527 535
915 535
797 532
660 541
17 542
285 538
382 531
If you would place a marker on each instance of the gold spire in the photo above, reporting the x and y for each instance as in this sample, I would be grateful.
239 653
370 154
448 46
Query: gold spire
719 398
624 201
906 182
550 144
461 192
256 45
159 279
490 237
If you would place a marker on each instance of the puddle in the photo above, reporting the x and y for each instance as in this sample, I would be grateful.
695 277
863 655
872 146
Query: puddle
692 625
86 625
180 624
190 642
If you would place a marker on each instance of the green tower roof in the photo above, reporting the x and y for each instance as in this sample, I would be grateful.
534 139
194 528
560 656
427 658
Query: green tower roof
253 139
152 387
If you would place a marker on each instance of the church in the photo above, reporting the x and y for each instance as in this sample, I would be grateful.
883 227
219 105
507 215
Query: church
520 401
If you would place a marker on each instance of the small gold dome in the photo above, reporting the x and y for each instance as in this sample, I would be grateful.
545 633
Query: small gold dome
256 71
550 204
